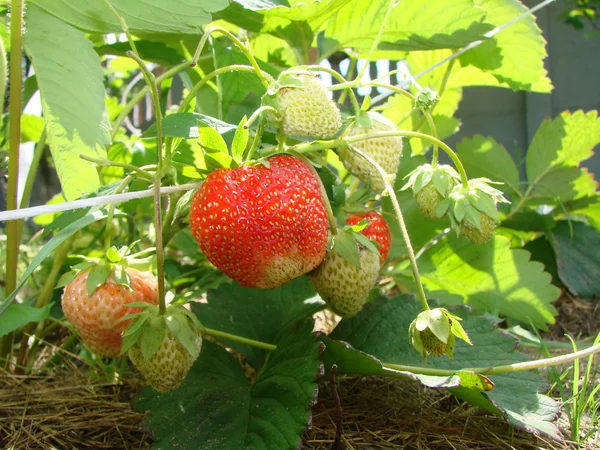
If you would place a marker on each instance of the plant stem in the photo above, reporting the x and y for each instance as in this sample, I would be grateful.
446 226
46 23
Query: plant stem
407 242
107 163
44 295
328 209
160 255
375 43
263 76
256 114
108 232
349 74
492 370
12 228
141 94
240 339
188 98
507 368
342 80
426 114
322 145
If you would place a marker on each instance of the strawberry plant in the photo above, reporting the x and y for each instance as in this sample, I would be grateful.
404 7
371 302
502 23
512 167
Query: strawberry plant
263 186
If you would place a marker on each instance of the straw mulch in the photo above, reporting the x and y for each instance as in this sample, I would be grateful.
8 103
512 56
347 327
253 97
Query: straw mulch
65 411
379 413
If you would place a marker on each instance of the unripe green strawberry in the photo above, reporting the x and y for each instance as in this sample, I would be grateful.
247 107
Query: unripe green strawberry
304 106
167 368
97 317
343 286
431 185
479 236
261 226
433 332
386 151
428 199
473 211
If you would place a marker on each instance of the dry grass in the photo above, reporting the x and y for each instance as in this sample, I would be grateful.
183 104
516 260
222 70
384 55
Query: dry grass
393 414
64 411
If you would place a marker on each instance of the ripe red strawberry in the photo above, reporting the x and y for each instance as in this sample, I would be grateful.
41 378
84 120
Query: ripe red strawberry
96 317
262 226
377 230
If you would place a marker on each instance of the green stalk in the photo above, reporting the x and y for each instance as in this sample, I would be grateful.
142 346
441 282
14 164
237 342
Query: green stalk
35 163
426 114
264 77
375 43
256 114
44 296
240 339
342 80
507 368
108 232
351 69
107 163
141 94
407 242
492 370
160 255
188 98
12 227
323 145
2 74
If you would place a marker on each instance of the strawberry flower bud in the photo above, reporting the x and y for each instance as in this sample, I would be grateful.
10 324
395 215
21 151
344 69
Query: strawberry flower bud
431 185
426 99
433 332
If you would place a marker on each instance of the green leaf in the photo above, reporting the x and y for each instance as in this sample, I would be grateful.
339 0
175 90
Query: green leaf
47 250
31 128
381 329
71 84
65 279
557 149
19 314
157 52
216 154
346 246
492 277
413 25
421 228
121 277
483 157
153 333
515 55
257 313
185 125
217 408
112 254
241 91
577 258
97 277
240 140
143 17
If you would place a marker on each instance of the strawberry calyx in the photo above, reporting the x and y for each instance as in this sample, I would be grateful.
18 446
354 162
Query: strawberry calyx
431 186
433 332
148 328
474 208
349 241
112 265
